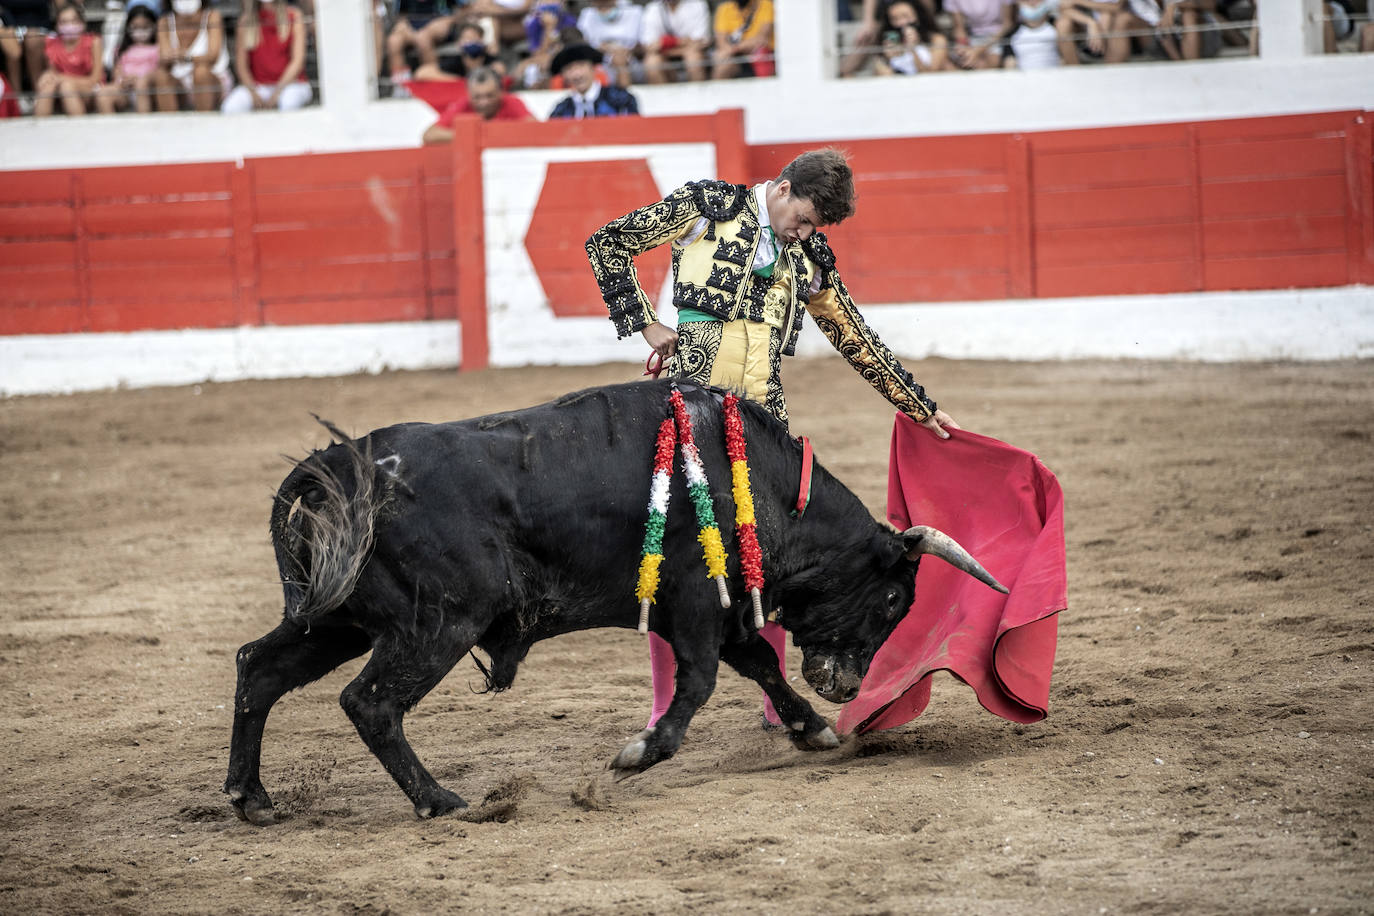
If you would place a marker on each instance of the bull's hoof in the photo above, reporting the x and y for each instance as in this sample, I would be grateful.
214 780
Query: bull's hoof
823 740
632 755
253 809
445 803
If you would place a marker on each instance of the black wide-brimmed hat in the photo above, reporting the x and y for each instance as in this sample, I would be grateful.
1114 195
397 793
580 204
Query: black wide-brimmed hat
572 54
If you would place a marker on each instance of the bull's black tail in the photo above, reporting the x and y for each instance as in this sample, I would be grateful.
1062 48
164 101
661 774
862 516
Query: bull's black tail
324 544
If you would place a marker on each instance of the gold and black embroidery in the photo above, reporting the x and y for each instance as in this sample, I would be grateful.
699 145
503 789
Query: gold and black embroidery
712 275
698 342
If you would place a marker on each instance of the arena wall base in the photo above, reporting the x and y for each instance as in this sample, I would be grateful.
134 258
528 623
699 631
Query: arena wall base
1295 324
65 363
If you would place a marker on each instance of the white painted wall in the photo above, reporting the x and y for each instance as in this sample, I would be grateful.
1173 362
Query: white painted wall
805 105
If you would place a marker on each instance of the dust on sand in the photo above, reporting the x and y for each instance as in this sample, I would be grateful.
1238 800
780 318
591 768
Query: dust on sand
1209 746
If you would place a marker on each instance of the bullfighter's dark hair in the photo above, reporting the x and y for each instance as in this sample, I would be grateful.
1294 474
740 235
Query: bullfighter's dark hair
823 177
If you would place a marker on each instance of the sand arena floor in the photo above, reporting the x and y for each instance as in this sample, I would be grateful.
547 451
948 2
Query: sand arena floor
1209 747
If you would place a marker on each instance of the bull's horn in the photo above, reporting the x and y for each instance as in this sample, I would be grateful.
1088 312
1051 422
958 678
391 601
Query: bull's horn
923 539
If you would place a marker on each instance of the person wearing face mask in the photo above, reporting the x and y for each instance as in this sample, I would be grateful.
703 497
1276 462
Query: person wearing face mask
588 99
473 54
135 66
747 264
75 73
612 27
269 57
195 58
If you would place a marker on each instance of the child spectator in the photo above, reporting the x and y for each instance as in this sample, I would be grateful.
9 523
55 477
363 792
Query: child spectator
980 27
486 99
1034 44
612 27
744 39
195 58
24 25
913 44
588 99
678 31
136 66
269 56
74 71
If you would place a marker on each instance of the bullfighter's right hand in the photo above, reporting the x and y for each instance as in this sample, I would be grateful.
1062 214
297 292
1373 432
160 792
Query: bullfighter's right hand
662 338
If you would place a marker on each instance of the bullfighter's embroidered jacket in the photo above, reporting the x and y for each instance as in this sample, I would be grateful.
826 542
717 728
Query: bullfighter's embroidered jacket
712 275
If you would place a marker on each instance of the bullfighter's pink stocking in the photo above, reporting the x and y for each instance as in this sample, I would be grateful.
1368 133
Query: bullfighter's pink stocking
663 666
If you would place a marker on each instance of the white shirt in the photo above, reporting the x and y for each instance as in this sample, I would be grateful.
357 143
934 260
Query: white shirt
689 20
586 104
621 27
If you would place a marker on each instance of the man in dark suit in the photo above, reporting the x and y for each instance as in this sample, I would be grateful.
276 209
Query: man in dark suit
588 99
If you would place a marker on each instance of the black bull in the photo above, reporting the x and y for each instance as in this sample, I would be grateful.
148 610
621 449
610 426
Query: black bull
419 542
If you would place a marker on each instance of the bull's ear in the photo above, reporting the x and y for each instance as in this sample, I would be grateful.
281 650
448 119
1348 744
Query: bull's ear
892 549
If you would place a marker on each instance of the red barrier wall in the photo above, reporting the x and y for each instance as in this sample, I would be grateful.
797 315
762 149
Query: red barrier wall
295 240
1245 204
1263 203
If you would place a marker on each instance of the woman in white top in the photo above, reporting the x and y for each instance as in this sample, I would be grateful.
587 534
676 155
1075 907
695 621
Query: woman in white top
1035 43
195 58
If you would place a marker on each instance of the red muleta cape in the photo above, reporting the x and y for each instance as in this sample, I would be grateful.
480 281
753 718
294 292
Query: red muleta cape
1006 509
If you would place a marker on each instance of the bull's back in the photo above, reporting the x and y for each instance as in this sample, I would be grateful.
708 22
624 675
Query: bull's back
558 474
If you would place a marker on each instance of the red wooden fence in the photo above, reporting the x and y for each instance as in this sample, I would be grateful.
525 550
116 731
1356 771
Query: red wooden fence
1246 204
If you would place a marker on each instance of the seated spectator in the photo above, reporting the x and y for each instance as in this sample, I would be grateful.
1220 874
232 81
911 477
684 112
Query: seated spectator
744 39
876 22
545 30
486 99
980 27
24 26
136 65
419 27
195 58
507 17
1035 43
473 54
612 27
74 72
1337 25
1176 23
914 45
269 57
588 99
678 31
1088 19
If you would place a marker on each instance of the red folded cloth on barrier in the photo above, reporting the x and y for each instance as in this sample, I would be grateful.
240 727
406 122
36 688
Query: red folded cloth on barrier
439 94
1006 509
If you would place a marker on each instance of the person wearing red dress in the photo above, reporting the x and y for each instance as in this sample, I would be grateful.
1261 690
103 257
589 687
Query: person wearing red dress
74 72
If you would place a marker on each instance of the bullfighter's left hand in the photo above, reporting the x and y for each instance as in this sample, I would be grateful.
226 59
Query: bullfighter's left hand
939 422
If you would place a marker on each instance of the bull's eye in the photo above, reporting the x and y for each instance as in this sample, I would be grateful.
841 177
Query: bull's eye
894 602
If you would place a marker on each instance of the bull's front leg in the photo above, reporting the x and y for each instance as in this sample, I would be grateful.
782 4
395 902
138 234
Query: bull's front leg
755 659
697 663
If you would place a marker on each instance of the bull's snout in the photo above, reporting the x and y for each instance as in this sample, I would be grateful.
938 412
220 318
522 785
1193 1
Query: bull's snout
835 679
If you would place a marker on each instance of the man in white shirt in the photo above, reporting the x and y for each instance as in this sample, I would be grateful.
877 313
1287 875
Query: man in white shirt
678 31
612 27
